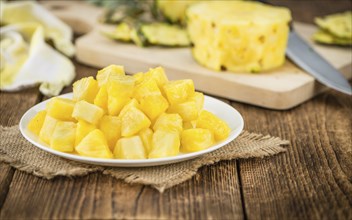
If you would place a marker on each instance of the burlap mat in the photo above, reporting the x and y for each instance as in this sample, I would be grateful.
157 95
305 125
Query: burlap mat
21 154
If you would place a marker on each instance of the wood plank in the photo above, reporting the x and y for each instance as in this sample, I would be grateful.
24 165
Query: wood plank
213 193
6 174
313 179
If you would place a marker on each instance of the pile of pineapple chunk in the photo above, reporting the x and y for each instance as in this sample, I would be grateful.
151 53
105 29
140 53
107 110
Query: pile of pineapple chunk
129 117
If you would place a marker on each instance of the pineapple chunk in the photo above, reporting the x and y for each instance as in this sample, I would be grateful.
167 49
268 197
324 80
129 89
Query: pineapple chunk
130 148
208 120
101 99
196 139
131 103
153 106
187 110
88 112
133 121
198 97
139 77
83 128
238 35
85 89
147 137
63 138
120 90
179 91
61 109
36 123
111 127
168 122
165 144
158 74
104 75
146 88
47 129
94 145
189 124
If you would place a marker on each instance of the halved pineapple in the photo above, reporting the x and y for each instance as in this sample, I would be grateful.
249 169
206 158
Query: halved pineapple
36 123
89 112
111 127
165 144
94 145
85 89
147 137
153 106
212 122
168 122
240 36
146 88
61 109
120 90
101 99
187 110
47 129
130 148
133 121
196 139
178 91
63 137
104 75
83 128
158 74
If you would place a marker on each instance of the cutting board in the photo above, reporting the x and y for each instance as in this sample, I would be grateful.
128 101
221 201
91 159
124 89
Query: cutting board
281 88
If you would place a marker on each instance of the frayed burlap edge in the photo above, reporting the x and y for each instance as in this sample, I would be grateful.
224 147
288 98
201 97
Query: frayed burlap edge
22 155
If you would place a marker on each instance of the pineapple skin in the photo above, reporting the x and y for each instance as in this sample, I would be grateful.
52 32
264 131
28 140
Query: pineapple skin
251 44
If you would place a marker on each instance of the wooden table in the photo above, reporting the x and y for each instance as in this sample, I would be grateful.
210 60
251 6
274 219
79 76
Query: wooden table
312 180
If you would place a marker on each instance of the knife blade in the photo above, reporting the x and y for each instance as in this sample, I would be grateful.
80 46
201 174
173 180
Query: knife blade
309 60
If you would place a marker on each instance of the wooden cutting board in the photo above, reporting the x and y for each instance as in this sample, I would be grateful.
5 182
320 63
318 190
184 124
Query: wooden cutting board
280 89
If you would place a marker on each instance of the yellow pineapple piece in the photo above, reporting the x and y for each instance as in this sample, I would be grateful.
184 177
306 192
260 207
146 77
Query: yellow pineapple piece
61 109
168 122
108 72
187 110
131 103
83 128
130 148
164 144
101 99
198 97
36 123
94 145
63 137
178 91
120 89
158 74
47 129
153 106
85 111
196 139
139 77
85 89
147 137
147 87
111 127
189 124
240 36
208 120
133 121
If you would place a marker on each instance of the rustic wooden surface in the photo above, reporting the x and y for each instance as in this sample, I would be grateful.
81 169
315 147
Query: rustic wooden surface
312 180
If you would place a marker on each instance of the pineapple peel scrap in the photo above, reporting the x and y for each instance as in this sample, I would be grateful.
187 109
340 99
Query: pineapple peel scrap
27 60
28 11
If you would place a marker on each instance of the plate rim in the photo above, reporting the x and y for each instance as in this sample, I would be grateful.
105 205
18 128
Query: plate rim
131 162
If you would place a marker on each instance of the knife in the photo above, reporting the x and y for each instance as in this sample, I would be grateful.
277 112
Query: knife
310 61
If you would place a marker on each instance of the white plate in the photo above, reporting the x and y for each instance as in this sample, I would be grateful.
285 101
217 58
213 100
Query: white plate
219 108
